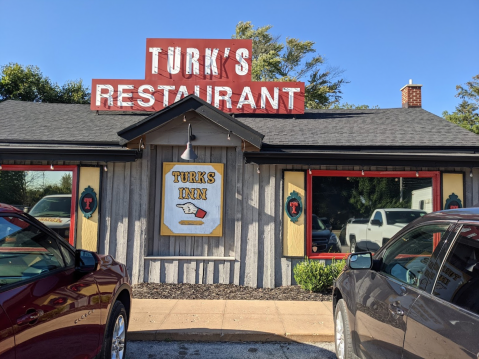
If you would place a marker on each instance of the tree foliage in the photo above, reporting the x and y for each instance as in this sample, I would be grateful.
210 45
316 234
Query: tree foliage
20 188
293 60
34 194
350 106
466 114
373 193
27 83
12 187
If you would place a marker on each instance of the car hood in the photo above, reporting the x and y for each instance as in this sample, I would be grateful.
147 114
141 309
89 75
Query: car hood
398 225
55 222
321 235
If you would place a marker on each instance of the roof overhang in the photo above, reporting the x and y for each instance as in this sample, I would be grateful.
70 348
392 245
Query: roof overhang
204 109
405 158
67 153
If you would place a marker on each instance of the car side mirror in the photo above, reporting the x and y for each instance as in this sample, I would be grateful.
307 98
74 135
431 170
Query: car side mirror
85 261
362 260
376 222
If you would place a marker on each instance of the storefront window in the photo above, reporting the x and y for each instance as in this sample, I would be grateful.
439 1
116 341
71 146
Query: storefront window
355 212
44 193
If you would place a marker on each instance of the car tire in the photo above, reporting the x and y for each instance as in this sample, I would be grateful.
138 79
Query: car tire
343 343
115 334
352 246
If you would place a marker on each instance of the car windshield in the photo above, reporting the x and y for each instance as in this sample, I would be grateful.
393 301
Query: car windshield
52 207
403 217
317 224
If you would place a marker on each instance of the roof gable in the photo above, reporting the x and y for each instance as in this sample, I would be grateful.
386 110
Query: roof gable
203 108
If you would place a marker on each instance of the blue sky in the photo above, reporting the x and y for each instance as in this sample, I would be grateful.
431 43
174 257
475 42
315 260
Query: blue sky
379 44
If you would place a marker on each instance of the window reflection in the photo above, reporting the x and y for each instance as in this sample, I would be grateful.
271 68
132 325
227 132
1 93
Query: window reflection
363 213
458 281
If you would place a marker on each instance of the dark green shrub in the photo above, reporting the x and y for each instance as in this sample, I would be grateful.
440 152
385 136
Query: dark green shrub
315 276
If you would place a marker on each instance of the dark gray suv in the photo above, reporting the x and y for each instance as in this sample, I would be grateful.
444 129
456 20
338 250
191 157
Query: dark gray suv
417 297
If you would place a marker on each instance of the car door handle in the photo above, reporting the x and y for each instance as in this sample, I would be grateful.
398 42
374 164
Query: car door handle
30 317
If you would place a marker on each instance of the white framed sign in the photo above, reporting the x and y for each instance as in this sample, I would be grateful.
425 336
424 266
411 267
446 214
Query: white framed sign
192 199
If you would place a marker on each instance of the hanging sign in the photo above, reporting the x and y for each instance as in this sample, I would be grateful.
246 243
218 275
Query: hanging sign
192 199
88 202
217 71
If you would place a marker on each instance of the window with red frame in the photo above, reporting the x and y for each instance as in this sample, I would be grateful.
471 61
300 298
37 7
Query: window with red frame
361 211
47 193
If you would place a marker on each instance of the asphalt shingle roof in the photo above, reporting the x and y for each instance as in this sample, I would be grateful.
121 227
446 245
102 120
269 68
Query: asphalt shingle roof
381 127
40 122
56 122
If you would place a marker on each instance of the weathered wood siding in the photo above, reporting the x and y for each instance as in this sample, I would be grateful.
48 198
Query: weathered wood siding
253 215
123 228
193 271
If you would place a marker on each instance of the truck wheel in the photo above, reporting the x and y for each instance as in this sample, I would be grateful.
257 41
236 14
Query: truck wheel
352 246
114 342
342 332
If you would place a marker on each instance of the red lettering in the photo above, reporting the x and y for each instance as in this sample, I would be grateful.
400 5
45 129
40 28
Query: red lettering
293 206
453 207
87 201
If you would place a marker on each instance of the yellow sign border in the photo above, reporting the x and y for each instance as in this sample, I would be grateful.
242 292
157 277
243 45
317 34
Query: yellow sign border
167 166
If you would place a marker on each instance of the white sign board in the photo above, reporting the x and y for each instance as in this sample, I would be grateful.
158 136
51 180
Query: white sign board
192 199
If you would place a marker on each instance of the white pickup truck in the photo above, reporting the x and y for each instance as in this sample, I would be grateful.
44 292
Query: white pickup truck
383 224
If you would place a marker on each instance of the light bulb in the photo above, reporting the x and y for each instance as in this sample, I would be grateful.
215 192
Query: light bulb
417 174
51 167
362 172
258 170
105 168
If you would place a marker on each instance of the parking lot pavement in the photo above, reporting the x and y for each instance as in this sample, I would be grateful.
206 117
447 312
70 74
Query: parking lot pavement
222 350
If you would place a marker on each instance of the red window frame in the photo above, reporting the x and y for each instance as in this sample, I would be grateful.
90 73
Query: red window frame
436 194
47 168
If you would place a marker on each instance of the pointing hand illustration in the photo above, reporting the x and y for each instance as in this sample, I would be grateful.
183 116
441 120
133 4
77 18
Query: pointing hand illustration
190 208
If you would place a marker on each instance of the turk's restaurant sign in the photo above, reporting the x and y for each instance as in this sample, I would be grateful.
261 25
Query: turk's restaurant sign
192 199
217 71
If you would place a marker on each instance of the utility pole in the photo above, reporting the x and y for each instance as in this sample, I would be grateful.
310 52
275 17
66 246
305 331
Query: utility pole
400 189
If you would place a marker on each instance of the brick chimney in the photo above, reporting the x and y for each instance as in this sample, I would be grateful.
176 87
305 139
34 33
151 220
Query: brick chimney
411 96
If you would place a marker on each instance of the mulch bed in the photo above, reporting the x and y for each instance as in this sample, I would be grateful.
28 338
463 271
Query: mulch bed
224 291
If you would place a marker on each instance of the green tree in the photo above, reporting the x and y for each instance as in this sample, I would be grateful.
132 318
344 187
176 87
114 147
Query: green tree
349 106
293 60
12 187
35 193
373 193
66 183
27 83
466 114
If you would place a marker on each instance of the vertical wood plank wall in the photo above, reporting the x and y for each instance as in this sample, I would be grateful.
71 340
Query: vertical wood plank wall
252 220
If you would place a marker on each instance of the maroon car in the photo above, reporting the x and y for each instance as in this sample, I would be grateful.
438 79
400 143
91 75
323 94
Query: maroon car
55 301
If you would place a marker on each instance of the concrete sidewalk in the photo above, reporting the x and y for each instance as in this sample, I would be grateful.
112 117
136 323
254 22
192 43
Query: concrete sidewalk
231 320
